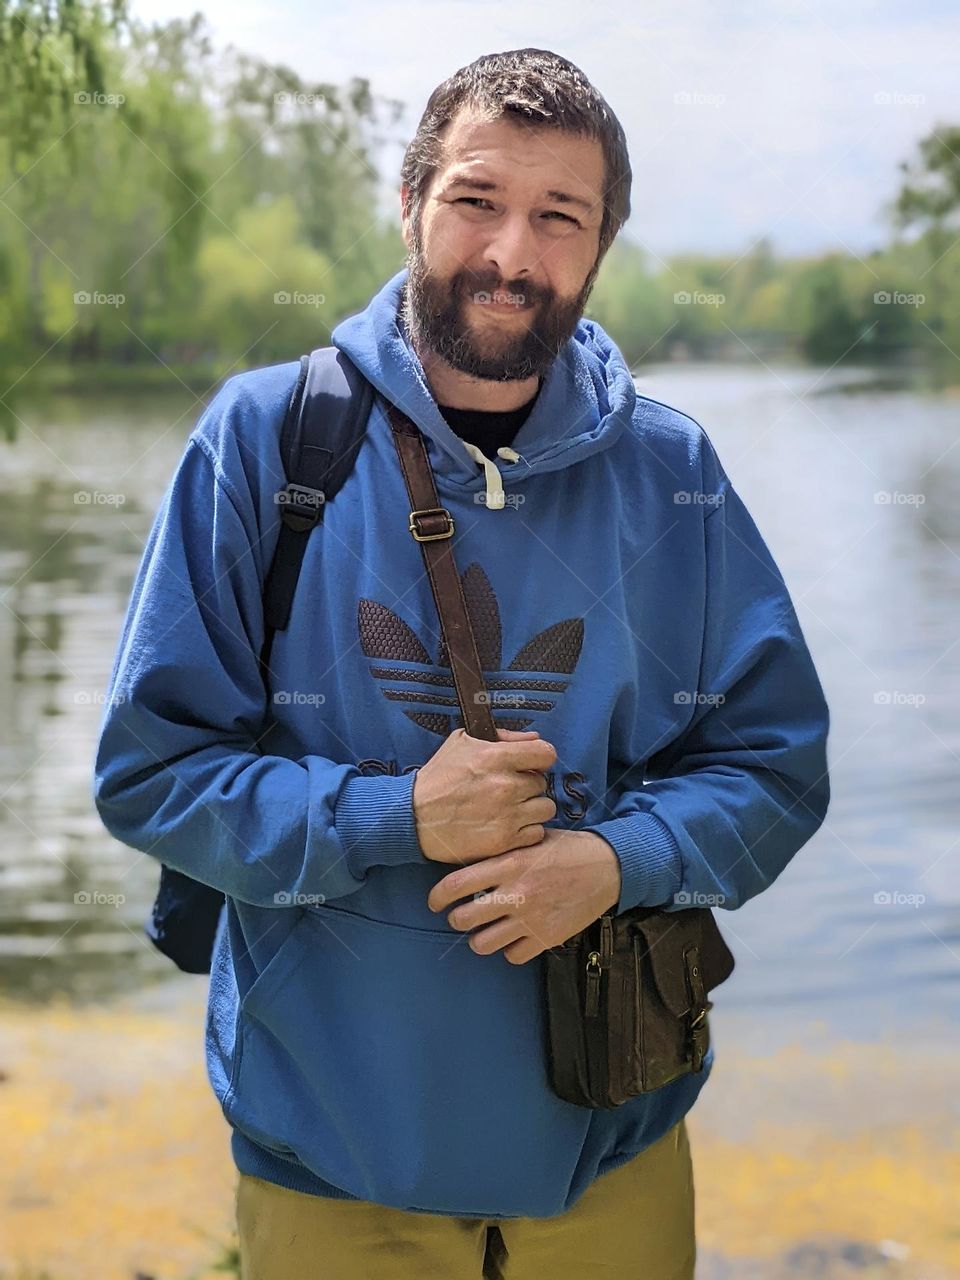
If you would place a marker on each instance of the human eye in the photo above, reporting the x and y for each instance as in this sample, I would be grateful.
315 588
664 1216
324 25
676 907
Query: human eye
555 213
471 200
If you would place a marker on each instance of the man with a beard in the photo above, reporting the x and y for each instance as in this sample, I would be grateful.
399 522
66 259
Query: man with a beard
379 1053
510 267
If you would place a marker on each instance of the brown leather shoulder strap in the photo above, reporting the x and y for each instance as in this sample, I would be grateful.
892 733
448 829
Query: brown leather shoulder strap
432 526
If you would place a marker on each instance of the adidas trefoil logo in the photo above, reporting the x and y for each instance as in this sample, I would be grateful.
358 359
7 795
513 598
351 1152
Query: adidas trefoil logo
556 649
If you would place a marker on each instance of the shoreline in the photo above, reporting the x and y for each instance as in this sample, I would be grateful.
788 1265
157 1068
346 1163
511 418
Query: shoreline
822 1158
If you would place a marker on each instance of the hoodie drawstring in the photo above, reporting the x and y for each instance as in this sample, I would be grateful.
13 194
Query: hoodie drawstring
495 494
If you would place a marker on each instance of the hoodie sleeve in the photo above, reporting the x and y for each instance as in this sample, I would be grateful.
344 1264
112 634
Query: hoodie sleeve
726 805
178 773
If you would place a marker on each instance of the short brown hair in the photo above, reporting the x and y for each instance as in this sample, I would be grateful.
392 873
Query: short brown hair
546 91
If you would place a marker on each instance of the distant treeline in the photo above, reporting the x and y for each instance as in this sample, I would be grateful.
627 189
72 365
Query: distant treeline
889 305
165 204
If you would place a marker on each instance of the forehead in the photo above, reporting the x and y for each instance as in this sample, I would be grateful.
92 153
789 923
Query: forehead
509 152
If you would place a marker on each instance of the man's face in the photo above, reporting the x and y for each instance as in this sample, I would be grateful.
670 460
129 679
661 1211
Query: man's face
500 267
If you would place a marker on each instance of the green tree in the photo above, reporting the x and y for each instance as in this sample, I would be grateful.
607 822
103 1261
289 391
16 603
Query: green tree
928 205
831 327
50 50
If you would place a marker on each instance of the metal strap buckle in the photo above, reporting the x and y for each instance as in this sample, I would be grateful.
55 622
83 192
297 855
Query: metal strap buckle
431 511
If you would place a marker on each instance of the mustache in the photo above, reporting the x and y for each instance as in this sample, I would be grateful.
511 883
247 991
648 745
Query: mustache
469 285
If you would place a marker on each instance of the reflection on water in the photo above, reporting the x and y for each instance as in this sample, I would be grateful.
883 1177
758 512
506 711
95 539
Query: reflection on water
73 899
855 486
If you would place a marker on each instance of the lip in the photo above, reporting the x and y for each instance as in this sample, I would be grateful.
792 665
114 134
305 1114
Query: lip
504 307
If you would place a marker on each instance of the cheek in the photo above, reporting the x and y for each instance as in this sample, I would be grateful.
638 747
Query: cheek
451 245
565 268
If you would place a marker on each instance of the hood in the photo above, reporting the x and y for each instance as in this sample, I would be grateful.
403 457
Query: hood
586 397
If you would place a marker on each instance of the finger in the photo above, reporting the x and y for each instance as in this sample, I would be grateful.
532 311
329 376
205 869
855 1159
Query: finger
523 950
539 808
478 911
475 878
496 936
534 754
533 783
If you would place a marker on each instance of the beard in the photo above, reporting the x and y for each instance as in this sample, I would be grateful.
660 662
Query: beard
439 314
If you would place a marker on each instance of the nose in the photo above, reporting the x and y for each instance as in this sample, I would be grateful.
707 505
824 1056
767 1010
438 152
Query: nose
512 248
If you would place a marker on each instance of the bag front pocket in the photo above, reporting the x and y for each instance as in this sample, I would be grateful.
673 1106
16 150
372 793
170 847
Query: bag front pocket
569 1050
679 957
403 1067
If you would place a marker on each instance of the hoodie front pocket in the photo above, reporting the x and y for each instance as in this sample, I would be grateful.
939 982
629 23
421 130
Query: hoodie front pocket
404 1068
276 963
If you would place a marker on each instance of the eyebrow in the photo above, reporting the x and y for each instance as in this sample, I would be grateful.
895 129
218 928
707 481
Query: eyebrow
484 184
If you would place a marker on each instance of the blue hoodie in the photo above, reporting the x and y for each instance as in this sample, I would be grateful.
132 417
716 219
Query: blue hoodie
626 607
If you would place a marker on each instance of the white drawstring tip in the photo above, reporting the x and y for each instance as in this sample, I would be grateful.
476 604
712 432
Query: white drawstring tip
495 495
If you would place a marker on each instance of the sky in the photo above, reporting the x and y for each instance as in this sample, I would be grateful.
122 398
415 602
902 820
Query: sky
784 119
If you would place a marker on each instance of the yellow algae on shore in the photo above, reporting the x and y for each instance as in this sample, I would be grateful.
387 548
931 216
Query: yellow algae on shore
858 1141
120 1163
889 1185
119 1158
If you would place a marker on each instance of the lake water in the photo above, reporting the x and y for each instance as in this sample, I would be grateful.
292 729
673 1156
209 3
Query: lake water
876 583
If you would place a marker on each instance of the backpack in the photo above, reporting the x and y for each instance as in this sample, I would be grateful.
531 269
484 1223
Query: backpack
323 428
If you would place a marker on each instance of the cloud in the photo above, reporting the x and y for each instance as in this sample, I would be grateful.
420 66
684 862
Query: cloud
741 121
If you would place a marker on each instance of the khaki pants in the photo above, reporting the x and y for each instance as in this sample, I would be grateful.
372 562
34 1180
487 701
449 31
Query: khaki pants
634 1223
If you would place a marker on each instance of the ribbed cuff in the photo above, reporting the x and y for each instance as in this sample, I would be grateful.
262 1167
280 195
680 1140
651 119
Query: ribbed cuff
651 869
375 821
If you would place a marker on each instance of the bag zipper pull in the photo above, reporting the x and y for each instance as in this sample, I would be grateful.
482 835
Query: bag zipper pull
594 969
606 936
595 966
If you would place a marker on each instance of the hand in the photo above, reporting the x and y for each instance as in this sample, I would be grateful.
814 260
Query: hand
476 799
541 896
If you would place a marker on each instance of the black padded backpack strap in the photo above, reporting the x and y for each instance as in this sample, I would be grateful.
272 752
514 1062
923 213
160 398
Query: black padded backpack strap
323 429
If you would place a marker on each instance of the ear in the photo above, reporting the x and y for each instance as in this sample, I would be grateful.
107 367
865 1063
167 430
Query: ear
405 214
